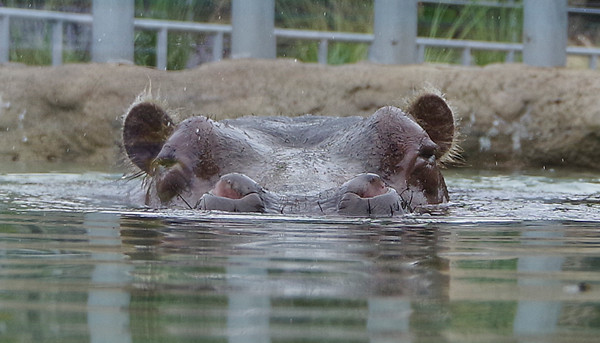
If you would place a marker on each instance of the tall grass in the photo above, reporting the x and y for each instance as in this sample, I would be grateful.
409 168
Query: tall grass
186 49
182 47
472 22
324 15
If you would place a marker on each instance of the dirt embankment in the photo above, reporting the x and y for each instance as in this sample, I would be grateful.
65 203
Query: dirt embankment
509 115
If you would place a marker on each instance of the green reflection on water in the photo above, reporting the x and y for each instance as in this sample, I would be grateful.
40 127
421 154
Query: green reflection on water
135 274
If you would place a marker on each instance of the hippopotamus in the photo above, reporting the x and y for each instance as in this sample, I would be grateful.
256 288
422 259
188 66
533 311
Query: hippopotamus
386 164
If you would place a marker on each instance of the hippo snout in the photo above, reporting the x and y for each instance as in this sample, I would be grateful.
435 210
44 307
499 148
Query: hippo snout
368 195
364 195
234 192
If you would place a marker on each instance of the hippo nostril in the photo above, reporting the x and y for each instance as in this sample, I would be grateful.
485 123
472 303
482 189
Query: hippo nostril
428 151
365 185
235 186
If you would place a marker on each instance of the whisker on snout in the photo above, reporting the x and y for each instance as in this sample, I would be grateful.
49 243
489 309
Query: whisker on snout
134 176
185 202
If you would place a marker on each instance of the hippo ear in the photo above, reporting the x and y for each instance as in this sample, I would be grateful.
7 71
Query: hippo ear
434 115
145 131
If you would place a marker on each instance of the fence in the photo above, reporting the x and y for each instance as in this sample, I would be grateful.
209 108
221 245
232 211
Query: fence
394 15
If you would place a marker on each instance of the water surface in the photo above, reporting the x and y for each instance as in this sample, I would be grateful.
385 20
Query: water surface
513 258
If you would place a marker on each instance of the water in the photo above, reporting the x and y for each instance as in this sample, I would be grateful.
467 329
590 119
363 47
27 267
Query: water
514 258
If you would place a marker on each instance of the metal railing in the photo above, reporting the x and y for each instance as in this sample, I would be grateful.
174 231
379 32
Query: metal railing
55 18
163 27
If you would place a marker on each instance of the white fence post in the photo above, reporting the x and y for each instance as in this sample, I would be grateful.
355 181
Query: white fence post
253 24
162 48
545 33
57 43
4 38
217 53
323 51
112 30
395 32
466 58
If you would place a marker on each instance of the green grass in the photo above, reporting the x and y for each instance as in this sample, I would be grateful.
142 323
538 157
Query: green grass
325 15
435 20
470 22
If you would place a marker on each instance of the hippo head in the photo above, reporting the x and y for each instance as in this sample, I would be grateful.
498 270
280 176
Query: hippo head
385 164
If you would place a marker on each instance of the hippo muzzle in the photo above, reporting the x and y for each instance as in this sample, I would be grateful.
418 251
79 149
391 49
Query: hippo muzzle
364 195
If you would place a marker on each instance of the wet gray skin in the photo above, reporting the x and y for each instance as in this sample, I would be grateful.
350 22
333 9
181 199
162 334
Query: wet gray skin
383 165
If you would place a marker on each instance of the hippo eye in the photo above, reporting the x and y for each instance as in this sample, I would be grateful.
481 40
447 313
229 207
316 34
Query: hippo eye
165 162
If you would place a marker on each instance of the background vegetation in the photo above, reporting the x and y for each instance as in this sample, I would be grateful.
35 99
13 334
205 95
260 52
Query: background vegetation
31 39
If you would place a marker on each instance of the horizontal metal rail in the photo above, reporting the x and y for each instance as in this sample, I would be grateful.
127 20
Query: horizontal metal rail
467 46
472 3
155 24
81 18
162 27
324 37
583 10
576 10
591 53
328 35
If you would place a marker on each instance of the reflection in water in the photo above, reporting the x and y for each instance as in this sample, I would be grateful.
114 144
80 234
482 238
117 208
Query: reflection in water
538 316
84 268
389 317
289 279
108 301
248 313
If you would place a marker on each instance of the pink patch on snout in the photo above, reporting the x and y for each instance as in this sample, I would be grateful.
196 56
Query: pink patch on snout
374 188
224 189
